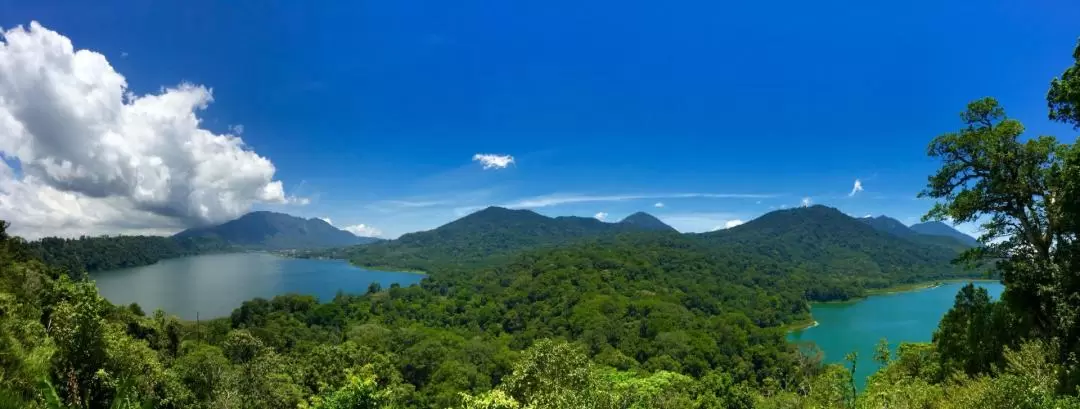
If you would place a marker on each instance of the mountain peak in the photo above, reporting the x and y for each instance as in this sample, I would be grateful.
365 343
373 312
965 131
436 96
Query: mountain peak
646 221
267 230
936 228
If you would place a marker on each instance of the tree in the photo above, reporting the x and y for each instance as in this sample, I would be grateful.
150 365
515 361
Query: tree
1064 96
1025 193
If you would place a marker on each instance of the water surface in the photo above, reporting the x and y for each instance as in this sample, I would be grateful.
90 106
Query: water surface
214 285
858 326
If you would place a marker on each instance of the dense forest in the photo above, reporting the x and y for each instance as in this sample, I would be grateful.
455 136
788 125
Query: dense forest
90 254
635 319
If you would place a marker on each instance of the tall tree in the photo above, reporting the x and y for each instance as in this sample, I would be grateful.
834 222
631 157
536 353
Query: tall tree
1024 192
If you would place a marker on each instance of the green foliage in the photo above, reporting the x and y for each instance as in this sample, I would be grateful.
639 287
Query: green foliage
1064 96
92 254
973 335
1025 193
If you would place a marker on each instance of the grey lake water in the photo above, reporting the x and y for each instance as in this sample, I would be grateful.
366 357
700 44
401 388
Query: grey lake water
214 285
858 326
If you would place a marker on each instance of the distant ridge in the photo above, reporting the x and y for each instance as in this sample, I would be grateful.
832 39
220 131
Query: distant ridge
262 230
895 227
646 221
486 235
936 228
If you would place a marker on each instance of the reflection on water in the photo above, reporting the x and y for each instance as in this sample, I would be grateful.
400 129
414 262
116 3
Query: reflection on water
214 285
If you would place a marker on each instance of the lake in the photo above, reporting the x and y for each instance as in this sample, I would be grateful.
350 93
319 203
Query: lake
214 285
905 316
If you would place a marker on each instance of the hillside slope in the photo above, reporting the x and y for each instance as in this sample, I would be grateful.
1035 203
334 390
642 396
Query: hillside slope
832 255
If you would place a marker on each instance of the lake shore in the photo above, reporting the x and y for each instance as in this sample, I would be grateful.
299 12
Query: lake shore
926 285
388 269
801 325
897 289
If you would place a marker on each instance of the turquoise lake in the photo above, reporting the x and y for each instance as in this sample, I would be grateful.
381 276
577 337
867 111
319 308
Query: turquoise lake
213 285
858 326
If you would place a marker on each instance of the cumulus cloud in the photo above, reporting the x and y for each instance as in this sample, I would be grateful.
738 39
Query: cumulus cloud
493 161
732 223
363 230
856 189
600 216
85 155
659 204
806 202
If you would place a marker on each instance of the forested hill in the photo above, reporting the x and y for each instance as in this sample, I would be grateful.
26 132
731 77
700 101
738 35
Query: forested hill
91 254
277 231
831 254
486 237
896 228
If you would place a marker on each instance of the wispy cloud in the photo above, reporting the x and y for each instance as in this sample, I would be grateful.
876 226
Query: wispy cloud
659 204
601 216
806 202
856 189
363 230
561 199
493 161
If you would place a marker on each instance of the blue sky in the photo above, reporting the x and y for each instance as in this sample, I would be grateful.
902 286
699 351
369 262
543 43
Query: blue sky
371 112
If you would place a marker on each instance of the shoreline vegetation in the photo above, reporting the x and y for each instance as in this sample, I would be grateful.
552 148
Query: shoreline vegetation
387 269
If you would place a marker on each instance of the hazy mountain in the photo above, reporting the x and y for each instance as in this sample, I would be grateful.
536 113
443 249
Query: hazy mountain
941 229
277 231
895 227
889 225
646 221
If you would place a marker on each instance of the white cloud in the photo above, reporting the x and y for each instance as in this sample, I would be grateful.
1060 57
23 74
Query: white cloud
857 188
93 157
327 220
363 230
561 199
600 216
732 223
697 222
493 161
806 202
659 204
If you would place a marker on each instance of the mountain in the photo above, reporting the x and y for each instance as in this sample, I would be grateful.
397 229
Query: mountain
889 225
830 253
895 227
264 230
483 238
936 228
646 221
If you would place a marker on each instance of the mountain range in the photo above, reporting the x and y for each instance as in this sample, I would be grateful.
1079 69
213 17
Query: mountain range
262 230
832 254
933 233
487 237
